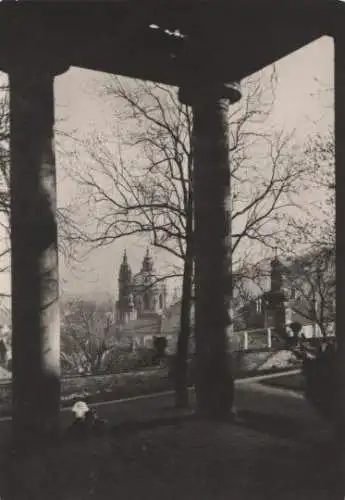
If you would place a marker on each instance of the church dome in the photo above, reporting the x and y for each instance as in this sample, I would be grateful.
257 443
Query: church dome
145 279
139 280
147 264
147 276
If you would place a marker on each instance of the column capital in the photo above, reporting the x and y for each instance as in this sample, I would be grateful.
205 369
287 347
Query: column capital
31 66
37 53
198 92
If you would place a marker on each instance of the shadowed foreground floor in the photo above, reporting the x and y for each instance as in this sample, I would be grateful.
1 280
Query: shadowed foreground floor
187 461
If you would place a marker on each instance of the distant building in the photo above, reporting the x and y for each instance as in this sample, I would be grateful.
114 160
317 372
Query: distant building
171 324
139 295
277 294
297 291
141 304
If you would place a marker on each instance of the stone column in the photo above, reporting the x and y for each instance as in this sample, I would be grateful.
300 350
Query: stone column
212 247
35 288
339 393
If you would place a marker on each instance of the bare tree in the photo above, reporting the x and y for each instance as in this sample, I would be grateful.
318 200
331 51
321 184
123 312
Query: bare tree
313 274
85 324
4 178
312 280
64 213
314 226
152 192
310 243
320 154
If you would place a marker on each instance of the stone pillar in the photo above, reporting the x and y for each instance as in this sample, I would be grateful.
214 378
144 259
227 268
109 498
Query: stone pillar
269 338
339 393
35 305
212 248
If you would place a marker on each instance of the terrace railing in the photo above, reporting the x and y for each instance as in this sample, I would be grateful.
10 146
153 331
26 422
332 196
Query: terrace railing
256 339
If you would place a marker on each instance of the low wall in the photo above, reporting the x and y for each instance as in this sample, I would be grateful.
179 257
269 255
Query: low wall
101 387
118 386
95 388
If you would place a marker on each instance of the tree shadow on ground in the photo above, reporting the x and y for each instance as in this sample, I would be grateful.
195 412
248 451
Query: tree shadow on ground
193 460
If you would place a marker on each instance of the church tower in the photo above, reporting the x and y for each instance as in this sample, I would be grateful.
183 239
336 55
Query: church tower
147 264
147 273
151 293
278 295
125 307
141 295
277 275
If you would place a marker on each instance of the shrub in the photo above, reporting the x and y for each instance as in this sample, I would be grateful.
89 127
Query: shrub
320 381
160 345
120 361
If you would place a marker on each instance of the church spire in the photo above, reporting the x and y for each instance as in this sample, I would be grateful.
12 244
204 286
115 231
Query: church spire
147 264
125 274
125 299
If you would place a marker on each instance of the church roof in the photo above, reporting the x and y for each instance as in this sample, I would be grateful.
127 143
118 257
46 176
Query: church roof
150 324
147 264
147 276
141 279
298 316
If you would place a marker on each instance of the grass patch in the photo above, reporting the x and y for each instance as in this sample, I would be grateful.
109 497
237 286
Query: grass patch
293 382
109 387
94 388
102 387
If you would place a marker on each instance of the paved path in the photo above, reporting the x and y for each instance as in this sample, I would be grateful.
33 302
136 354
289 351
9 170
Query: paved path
126 402
269 409
250 396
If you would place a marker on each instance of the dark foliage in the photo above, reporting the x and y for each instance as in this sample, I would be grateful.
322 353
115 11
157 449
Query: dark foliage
318 358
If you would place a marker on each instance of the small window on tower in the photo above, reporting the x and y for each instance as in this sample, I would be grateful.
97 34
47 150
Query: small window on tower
259 305
161 301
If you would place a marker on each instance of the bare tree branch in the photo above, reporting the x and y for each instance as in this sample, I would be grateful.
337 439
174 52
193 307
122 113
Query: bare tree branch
150 193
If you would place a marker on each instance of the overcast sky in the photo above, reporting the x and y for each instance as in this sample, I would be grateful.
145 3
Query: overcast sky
79 108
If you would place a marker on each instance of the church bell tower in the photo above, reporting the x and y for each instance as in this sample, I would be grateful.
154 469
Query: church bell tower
125 305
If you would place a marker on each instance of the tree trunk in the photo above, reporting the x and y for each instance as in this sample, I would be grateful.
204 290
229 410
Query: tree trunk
212 240
181 359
